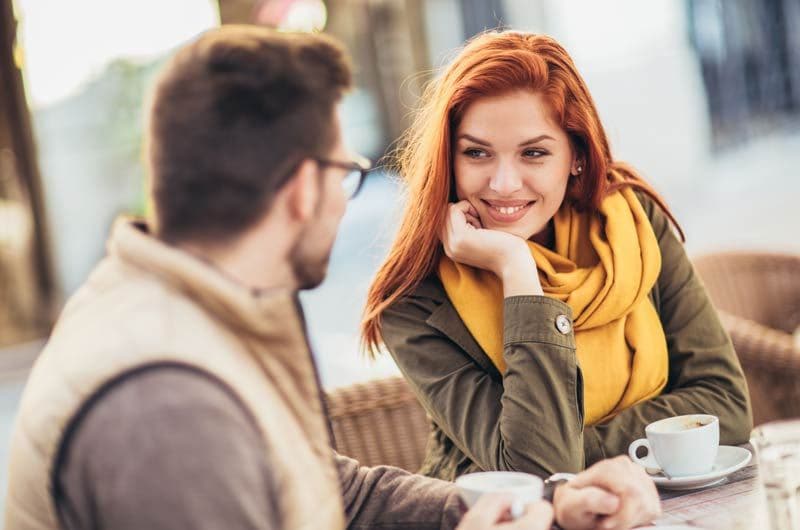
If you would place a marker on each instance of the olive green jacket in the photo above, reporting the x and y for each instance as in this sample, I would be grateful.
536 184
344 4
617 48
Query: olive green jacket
531 418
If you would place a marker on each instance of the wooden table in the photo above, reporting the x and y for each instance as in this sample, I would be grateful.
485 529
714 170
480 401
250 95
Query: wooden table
736 504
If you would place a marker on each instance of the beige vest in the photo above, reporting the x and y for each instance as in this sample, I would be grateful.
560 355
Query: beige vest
148 303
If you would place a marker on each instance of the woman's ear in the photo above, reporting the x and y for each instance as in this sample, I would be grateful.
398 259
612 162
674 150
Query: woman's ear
302 191
577 166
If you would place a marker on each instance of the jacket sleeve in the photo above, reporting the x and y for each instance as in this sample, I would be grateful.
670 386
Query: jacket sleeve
531 420
390 498
704 371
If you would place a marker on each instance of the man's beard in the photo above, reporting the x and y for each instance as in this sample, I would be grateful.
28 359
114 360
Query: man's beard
309 265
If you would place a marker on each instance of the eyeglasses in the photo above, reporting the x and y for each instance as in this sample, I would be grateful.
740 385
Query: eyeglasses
356 173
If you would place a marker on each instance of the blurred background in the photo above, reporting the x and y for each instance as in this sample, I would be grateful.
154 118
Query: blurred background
703 96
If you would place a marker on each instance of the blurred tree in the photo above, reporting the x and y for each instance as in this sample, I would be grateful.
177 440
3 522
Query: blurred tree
120 93
236 11
27 289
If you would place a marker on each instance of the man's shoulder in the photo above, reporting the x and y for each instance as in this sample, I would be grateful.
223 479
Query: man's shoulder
119 321
117 297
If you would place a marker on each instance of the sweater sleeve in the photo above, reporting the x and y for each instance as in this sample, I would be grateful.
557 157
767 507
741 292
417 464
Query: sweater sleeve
391 498
173 448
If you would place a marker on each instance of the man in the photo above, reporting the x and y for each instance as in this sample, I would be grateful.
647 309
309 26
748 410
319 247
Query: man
177 389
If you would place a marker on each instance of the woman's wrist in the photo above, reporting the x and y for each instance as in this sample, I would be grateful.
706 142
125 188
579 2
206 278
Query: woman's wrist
519 275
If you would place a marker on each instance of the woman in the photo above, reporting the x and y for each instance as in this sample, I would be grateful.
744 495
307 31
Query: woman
536 297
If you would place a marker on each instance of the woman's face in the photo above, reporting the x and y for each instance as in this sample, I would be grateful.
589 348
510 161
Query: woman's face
512 162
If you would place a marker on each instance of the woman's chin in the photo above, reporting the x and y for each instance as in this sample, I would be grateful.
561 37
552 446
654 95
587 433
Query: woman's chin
519 231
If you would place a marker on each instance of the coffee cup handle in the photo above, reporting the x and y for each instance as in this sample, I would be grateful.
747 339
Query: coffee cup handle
635 445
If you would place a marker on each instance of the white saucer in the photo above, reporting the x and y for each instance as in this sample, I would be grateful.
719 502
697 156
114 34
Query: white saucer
729 459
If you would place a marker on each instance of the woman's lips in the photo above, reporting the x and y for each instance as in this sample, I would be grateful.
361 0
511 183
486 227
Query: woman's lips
507 212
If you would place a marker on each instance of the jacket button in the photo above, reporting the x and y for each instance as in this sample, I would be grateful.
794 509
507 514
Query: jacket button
563 324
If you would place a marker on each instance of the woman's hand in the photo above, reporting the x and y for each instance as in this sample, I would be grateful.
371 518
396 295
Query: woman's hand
506 255
583 508
491 512
613 494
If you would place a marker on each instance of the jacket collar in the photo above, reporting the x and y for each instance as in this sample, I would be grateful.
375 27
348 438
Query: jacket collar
270 314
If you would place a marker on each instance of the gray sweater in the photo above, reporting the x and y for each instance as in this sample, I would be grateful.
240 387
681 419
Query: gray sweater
169 447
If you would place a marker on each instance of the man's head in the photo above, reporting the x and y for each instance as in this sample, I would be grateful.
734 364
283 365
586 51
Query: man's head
240 119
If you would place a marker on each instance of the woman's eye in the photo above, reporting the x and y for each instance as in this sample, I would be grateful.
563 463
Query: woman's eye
475 153
533 153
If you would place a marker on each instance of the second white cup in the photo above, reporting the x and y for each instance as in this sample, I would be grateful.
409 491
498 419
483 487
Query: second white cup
523 487
681 446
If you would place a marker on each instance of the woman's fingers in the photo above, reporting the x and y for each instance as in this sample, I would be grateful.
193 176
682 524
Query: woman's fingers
473 221
464 206
465 211
487 249
459 220
455 218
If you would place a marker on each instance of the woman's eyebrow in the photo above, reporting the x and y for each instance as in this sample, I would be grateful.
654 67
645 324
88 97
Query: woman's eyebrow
473 139
488 144
536 139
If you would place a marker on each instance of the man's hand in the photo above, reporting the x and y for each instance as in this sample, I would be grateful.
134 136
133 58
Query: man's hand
492 512
613 494
583 508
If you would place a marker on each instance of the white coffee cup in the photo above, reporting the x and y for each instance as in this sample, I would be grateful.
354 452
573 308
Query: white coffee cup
681 446
523 487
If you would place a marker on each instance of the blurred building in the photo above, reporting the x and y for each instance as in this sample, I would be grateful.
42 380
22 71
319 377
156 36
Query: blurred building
701 95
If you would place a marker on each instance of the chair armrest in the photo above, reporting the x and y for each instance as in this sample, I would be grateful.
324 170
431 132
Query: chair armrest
364 398
379 423
761 347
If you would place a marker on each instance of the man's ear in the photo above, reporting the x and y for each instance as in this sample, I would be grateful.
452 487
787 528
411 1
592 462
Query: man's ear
302 191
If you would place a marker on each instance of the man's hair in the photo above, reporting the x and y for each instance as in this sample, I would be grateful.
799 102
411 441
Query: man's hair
232 116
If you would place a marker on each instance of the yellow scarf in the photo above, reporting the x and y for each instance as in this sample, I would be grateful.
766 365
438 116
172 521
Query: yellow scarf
604 272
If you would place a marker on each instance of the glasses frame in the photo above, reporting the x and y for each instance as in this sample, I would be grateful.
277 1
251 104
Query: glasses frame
362 165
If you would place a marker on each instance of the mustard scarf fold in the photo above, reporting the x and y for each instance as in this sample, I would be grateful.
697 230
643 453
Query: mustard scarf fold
603 267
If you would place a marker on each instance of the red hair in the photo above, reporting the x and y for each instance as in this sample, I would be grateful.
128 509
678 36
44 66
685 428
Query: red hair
492 63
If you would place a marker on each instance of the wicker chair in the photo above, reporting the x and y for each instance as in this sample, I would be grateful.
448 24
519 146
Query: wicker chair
379 423
758 297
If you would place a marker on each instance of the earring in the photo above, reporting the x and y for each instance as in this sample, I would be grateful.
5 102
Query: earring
579 170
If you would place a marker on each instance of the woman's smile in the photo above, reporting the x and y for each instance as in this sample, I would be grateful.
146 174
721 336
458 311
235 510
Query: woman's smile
506 211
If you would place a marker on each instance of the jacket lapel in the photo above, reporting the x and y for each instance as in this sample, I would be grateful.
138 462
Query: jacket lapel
446 320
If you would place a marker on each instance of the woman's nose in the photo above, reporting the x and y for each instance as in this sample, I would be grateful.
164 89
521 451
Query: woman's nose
506 180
